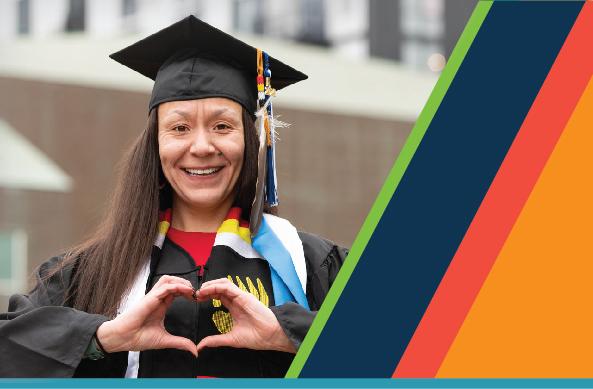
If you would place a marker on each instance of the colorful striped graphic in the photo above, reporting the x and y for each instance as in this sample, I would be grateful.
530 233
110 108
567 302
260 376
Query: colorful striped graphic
479 263
532 316
393 179
502 204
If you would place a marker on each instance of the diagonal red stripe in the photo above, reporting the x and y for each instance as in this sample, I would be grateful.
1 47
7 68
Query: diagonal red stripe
502 204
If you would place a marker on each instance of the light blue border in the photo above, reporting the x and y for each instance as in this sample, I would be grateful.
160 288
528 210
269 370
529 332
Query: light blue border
309 383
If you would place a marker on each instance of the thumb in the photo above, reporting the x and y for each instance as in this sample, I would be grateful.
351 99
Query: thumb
216 341
180 343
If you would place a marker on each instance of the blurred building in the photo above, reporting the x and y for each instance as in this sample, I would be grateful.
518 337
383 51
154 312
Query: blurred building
412 32
67 112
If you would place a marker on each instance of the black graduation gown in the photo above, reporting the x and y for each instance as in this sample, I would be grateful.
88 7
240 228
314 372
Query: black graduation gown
41 337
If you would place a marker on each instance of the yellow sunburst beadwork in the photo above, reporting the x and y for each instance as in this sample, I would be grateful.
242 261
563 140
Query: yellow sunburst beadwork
252 288
241 285
263 296
222 319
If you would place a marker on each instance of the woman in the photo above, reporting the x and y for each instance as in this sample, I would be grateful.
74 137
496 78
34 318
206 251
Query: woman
186 276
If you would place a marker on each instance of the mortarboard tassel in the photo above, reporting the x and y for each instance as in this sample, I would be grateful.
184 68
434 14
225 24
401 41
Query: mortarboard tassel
260 78
260 125
266 184
271 179
258 202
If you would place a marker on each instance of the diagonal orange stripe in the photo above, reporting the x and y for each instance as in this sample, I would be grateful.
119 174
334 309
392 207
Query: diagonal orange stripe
502 204
533 316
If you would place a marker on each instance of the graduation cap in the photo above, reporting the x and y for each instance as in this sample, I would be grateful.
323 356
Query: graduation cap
192 60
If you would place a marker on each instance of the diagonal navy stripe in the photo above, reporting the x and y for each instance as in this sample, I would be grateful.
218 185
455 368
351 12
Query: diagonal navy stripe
441 190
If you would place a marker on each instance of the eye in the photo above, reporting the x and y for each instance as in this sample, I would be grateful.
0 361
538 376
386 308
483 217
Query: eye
222 127
181 129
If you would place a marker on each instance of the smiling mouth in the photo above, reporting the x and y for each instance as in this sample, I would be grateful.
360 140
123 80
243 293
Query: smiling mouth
202 172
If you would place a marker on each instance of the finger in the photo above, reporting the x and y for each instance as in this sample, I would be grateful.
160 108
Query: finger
217 281
164 279
226 302
167 279
169 300
228 290
222 283
172 289
217 341
180 343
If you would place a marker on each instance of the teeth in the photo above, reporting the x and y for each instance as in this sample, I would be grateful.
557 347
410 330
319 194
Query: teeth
202 172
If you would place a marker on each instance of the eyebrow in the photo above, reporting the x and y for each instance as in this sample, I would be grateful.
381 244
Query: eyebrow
225 110
220 111
184 114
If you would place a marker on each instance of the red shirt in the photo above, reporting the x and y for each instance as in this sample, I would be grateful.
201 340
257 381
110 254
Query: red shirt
197 244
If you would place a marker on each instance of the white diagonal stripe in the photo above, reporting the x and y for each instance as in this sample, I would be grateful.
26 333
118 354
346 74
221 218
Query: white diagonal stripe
235 242
289 237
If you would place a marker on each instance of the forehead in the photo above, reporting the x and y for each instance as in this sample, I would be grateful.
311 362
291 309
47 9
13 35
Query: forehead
206 106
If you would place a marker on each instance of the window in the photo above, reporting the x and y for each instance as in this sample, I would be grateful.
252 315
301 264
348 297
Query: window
422 24
128 7
75 18
313 22
13 262
23 17
247 16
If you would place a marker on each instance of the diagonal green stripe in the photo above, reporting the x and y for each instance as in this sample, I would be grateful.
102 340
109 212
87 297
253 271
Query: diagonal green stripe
391 183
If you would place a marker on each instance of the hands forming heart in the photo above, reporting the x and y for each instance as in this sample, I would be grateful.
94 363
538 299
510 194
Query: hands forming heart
142 327
254 325
222 319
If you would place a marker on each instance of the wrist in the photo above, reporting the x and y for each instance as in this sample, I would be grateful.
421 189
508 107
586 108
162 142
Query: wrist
93 351
282 342
107 338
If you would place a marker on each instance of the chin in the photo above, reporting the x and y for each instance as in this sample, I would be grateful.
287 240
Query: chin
205 202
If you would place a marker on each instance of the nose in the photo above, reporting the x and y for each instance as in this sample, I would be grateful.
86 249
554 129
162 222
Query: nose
201 145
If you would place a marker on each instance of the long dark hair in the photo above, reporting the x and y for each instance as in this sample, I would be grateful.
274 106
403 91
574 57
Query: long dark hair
107 263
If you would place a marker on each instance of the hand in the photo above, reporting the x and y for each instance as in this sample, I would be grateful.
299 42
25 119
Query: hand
254 325
142 327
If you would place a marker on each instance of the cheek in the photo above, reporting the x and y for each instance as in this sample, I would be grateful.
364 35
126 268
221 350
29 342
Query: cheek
238 154
234 149
169 153
168 150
